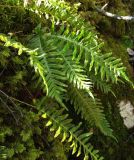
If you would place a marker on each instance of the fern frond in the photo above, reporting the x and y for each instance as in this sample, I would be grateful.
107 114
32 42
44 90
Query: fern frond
101 85
8 42
79 141
46 64
84 42
109 67
85 45
91 111
61 63
49 64
75 74
57 10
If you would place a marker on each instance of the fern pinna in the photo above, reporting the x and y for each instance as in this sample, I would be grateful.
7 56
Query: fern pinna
66 58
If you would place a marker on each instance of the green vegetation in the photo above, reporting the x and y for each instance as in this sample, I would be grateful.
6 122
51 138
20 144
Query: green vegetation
57 81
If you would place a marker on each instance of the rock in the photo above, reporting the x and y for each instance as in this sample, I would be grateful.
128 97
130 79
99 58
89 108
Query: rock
127 113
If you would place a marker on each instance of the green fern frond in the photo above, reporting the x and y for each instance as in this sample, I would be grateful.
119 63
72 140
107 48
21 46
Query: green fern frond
101 85
85 45
8 42
41 60
83 41
90 110
63 126
57 10
62 64
109 67
75 74
48 62
80 37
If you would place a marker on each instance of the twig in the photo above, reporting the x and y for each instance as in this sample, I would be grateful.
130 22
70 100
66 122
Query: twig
2 71
18 100
104 6
9 110
10 98
30 94
22 102
111 15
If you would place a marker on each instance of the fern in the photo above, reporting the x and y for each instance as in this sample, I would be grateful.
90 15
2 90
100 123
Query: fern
90 110
63 126
85 46
42 63
68 54
83 41
39 62
101 84
76 74
56 10
48 62
105 129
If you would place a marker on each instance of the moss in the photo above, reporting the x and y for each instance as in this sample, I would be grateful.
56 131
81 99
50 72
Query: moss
57 151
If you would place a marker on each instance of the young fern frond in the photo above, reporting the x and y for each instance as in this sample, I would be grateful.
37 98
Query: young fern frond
91 111
63 126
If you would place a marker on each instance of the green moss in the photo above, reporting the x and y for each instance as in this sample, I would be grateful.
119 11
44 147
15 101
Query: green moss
56 152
